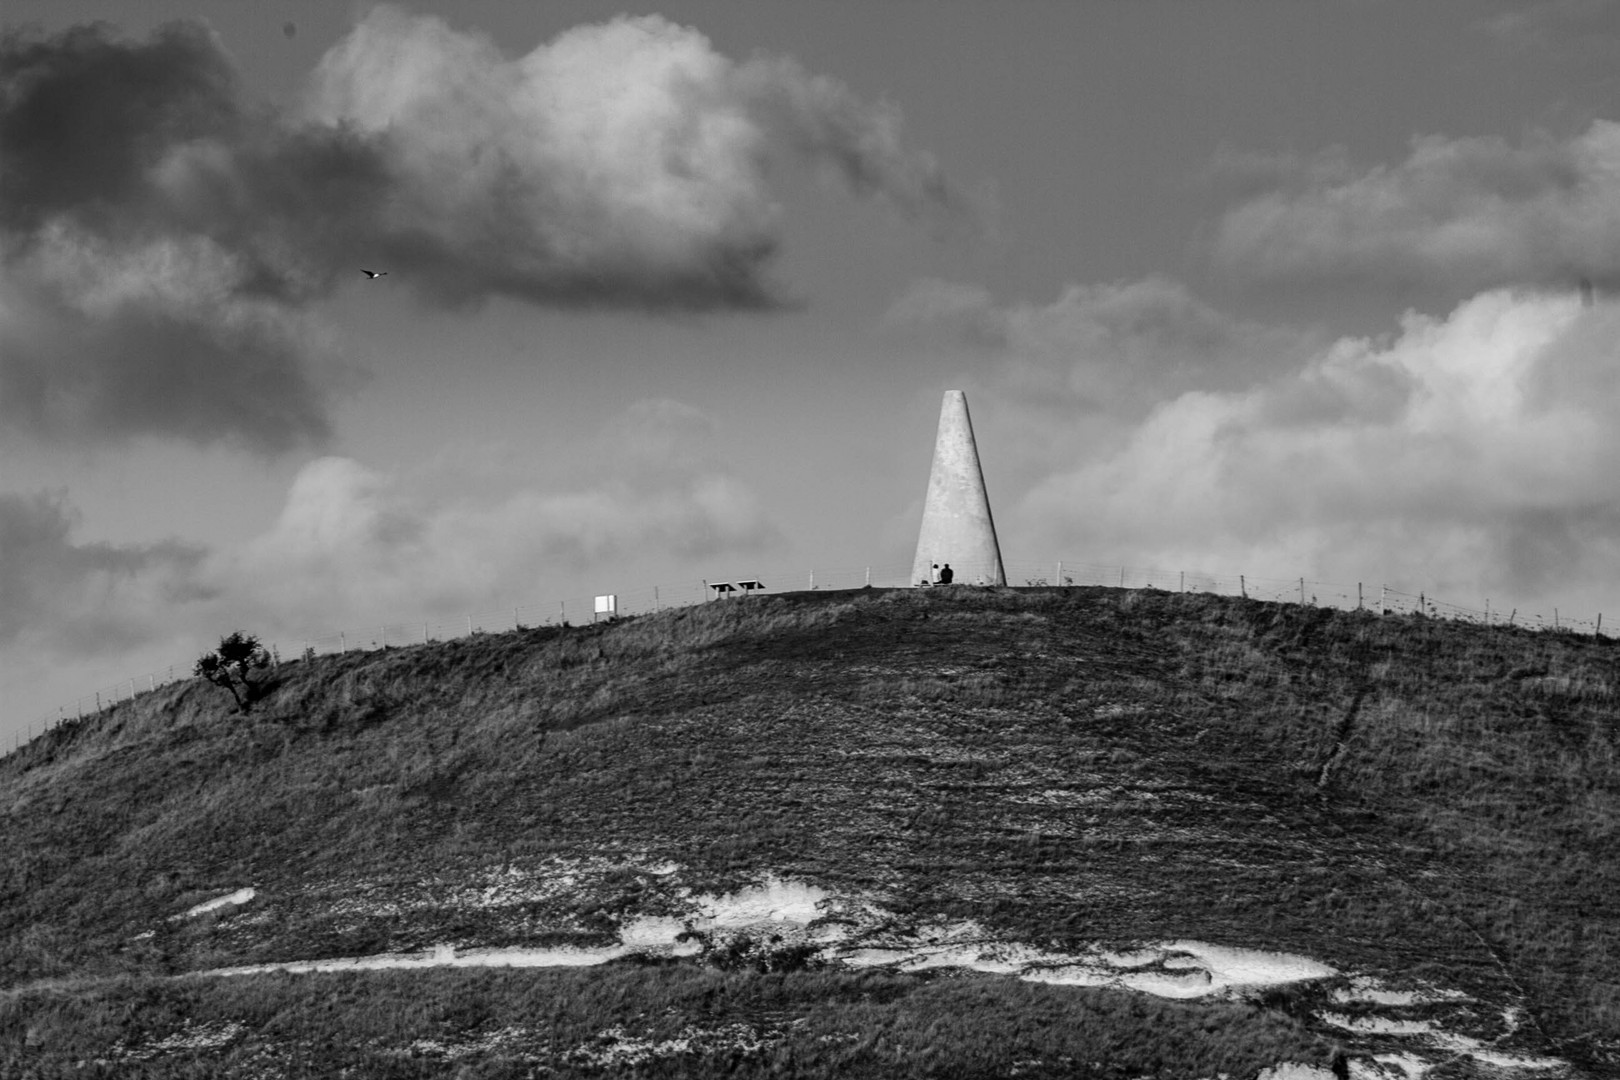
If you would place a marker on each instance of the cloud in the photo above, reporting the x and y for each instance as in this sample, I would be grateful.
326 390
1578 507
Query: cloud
619 164
102 341
134 298
1567 26
1461 215
352 542
163 242
1119 348
860 143
87 599
1471 454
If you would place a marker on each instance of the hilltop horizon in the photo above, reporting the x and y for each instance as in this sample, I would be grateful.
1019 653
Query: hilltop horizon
1214 833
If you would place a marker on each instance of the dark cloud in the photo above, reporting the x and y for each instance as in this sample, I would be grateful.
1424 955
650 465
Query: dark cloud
163 239
84 115
104 343
85 598
159 241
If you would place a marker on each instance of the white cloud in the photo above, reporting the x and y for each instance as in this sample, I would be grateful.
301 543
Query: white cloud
1460 214
618 163
353 543
1472 454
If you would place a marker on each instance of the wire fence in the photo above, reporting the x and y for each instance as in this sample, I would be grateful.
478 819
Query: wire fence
654 598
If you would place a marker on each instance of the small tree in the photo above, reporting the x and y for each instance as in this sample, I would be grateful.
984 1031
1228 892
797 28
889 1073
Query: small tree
237 665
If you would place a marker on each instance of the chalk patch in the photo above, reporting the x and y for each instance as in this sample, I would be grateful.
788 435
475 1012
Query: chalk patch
775 901
1295 1070
1369 991
1182 969
1188 985
1515 1061
1479 1051
615 1048
439 957
191 1038
858 932
1434 1036
1409 1065
786 909
1229 966
1174 969
651 930
240 896
1378 1025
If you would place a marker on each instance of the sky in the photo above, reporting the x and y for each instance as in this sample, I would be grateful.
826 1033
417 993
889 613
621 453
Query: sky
1284 289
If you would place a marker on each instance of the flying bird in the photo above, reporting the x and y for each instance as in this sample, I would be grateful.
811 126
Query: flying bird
372 275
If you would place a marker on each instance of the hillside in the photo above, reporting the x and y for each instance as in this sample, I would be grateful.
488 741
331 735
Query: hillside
950 832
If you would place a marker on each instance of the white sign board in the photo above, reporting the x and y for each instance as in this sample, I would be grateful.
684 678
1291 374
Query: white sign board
607 605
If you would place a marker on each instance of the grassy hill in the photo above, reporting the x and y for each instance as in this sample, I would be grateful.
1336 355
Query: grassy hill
1020 777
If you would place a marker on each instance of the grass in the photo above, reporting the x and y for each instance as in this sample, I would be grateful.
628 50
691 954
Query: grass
661 1020
1393 795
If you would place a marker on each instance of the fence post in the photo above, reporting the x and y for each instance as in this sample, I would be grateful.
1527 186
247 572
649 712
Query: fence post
1301 592
98 702
562 606
1600 624
1122 577
868 577
1358 596
1555 618
812 581
655 600
515 624
1059 579
469 626
1243 586
151 681
382 635
1184 581
1383 593
1487 611
343 642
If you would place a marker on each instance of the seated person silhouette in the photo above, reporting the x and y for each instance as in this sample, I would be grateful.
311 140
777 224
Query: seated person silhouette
946 574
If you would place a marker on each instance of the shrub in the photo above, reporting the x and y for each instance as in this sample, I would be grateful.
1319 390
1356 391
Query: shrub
240 664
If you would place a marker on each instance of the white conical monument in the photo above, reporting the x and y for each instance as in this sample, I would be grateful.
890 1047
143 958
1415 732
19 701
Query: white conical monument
956 525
